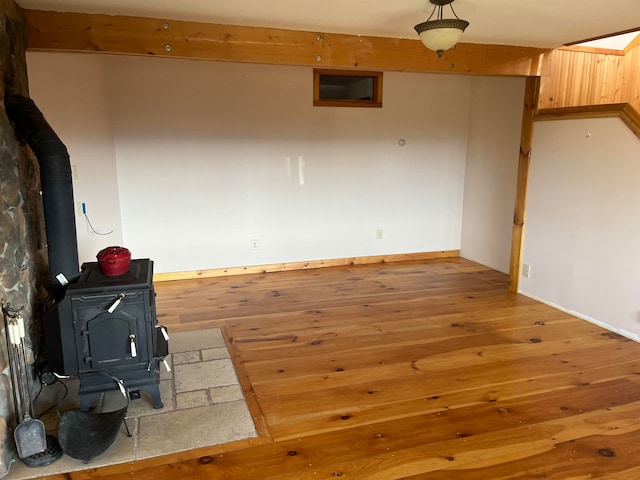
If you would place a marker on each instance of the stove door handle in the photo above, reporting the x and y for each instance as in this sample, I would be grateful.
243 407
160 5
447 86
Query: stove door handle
165 335
134 350
116 303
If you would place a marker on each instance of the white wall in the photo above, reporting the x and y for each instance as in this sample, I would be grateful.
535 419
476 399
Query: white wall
71 93
583 221
210 156
493 147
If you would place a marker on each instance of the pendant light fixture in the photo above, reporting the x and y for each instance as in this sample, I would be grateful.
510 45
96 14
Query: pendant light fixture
441 34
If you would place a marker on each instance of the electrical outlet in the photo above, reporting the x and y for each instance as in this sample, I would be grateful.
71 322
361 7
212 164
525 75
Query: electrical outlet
78 206
254 244
379 234
526 270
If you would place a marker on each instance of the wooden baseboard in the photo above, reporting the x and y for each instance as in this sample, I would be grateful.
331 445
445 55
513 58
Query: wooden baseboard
282 267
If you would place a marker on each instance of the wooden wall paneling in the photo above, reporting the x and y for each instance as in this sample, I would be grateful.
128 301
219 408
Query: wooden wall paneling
79 32
561 87
574 87
617 80
631 88
600 90
532 89
585 72
579 78
630 79
623 81
593 80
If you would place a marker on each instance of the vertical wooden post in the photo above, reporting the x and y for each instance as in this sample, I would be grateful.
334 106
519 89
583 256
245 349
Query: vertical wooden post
519 213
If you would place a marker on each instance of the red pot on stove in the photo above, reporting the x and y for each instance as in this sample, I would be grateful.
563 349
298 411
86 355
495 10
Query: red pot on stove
114 261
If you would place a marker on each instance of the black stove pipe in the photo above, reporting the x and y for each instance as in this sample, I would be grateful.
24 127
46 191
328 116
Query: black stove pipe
57 190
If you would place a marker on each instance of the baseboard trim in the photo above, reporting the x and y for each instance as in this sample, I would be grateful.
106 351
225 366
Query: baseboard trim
621 331
307 265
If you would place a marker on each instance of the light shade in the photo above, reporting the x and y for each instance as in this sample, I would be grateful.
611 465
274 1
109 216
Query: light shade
443 33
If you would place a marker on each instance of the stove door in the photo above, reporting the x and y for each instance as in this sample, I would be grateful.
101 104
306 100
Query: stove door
112 338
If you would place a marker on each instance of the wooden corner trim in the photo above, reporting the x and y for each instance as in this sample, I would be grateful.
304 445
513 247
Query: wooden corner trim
594 50
282 267
623 111
632 44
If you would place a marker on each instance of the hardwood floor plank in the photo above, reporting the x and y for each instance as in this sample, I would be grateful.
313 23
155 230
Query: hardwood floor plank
506 444
611 457
424 367
389 405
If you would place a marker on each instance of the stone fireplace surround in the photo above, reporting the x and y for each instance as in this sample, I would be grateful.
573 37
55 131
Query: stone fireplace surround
23 256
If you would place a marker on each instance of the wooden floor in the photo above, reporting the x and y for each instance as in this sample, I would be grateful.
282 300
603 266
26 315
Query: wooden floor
427 370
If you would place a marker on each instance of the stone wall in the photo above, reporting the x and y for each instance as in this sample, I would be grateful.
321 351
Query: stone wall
23 263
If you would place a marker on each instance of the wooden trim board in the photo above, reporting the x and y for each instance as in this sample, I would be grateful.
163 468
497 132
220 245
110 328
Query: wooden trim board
307 265
81 32
623 111
596 50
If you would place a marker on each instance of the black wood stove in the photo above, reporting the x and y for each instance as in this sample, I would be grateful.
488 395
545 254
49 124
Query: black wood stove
105 329
102 329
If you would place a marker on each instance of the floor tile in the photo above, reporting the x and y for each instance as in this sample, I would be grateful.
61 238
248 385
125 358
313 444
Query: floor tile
198 398
198 340
187 357
229 393
196 376
215 353
194 428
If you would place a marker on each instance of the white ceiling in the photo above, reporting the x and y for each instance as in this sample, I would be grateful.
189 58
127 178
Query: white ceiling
534 23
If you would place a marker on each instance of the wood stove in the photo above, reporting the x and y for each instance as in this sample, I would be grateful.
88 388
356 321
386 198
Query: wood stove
102 329
105 329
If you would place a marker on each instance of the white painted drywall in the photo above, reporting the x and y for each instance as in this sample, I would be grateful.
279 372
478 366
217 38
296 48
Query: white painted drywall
70 91
583 221
211 156
493 146
190 161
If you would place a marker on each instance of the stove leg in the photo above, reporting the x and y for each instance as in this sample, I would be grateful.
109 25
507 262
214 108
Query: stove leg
154 391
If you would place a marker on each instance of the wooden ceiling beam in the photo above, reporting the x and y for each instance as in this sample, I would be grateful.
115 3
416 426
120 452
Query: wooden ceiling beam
79 32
